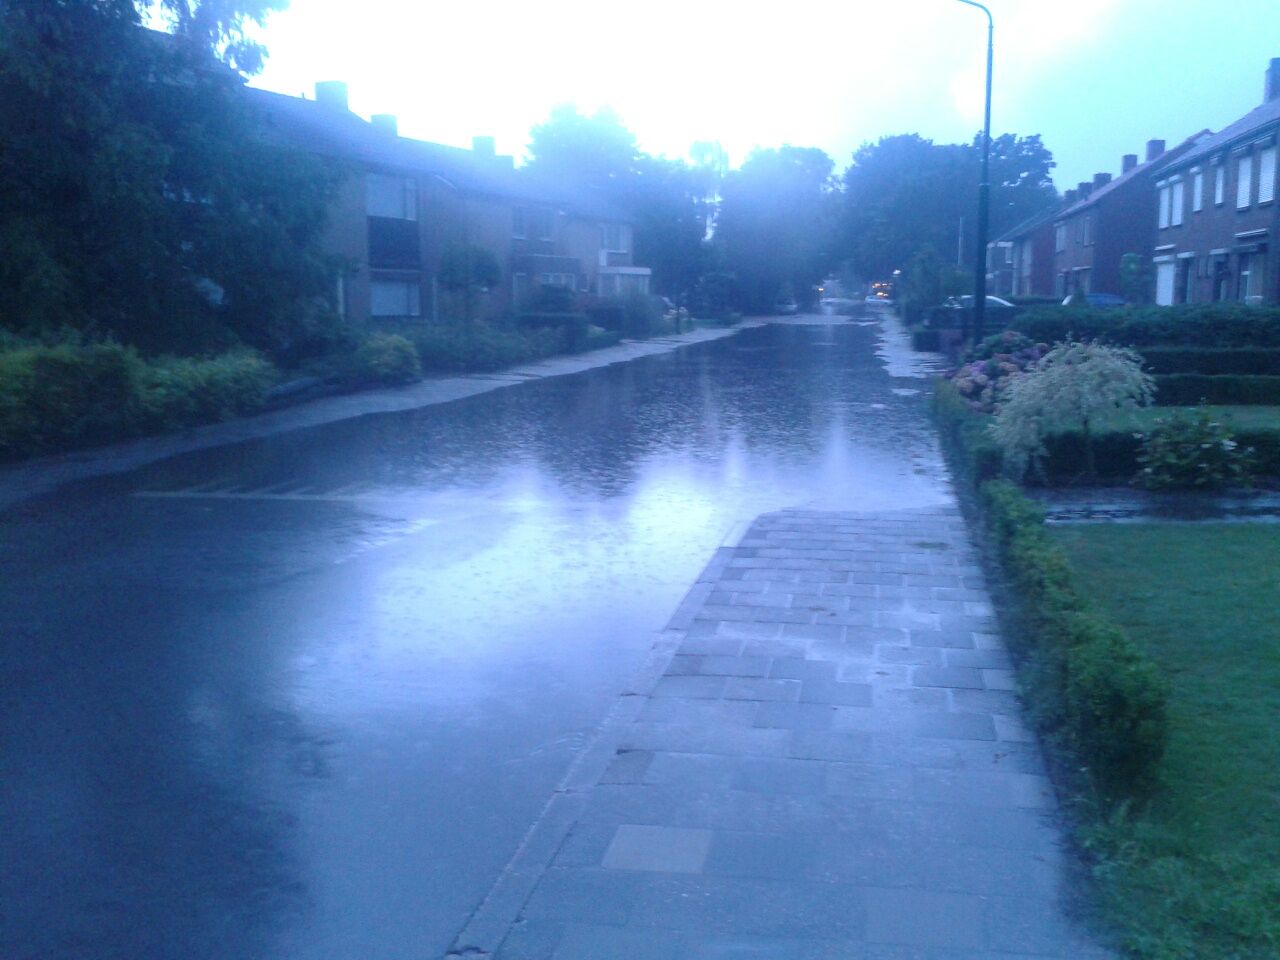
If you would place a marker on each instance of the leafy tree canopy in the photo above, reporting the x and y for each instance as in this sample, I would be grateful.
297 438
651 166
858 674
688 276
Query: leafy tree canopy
775 224
138 194
905 193
668 201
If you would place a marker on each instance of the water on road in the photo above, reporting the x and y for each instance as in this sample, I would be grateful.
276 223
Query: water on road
302 697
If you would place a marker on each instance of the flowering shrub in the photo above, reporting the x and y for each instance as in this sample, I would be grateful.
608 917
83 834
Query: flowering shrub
1192 452
984 377
1072 388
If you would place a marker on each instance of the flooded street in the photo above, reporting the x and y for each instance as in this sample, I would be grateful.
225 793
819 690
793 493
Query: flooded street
302 697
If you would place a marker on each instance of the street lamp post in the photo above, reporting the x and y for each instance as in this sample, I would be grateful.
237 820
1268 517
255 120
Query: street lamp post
984 194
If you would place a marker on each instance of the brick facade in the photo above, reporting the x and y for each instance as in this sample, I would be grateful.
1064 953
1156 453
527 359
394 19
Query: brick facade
1215 215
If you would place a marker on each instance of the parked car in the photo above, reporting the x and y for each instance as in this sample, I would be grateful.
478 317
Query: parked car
1098 299
967 301
785 306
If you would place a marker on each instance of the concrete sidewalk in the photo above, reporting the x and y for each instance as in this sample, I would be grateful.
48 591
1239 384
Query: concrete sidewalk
826 762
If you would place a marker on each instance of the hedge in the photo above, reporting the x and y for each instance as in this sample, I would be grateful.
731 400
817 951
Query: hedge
1092 690
1203 325
965 434
1189 389
1212 361
68 395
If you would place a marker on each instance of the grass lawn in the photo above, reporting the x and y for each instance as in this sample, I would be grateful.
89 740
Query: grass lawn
1239 417
1198 874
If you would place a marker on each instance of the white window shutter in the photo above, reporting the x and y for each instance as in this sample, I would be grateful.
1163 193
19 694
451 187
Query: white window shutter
1267 175
1244 181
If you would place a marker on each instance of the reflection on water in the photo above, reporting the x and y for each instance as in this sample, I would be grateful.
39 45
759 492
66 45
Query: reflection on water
302 697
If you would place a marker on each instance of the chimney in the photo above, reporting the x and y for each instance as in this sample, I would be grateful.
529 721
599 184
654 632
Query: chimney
1101 180
385 122
1084 189
1128 162
482 146
1154 149
1273 80
332 93
1069 197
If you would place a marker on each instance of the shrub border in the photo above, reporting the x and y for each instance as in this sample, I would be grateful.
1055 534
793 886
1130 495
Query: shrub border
1096 698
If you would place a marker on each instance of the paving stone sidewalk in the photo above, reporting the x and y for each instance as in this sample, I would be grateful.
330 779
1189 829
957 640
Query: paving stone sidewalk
831 766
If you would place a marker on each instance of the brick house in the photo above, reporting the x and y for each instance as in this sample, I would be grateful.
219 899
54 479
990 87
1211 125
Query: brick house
404 202
1216 219
1107 218
1020 261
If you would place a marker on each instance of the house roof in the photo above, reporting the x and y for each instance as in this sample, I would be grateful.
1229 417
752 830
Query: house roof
332 131
1141 170
1031 223
1252 122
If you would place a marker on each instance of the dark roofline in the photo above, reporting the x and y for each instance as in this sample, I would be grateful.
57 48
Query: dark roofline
1148 168
1029 224
1245 128
344 135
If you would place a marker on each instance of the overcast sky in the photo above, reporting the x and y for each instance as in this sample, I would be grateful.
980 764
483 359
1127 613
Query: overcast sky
1097 78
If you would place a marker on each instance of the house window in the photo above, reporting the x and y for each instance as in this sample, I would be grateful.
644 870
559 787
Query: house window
615 238
395 298
1267 175
1176 204
1249 278
1059 237
567 280
1221 279
1197 191
1244 181
519 287
1219 185
395 198
531 223
1164 205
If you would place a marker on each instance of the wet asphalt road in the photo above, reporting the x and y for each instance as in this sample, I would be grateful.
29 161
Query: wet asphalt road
302 697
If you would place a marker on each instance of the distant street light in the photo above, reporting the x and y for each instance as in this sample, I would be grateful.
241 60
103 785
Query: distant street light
984 195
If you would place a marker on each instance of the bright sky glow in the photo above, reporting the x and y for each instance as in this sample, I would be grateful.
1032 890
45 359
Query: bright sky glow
1097 78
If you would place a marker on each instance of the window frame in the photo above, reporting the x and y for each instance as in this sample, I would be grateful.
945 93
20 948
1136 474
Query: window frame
1267 179
1244 181
1197 190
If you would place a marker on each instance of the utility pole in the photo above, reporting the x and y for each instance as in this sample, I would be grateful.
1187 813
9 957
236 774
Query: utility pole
984 193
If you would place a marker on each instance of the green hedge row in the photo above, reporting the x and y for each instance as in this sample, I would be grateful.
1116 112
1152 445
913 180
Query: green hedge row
71 395
1189 389
1092 689
1207 325
1211 361
965 433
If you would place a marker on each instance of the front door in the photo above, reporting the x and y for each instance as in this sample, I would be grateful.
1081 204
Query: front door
1166 273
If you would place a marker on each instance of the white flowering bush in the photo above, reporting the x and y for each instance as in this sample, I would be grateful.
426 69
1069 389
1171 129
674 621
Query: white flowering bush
1070 389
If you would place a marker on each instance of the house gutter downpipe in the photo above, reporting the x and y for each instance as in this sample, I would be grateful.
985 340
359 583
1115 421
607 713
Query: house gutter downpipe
984 193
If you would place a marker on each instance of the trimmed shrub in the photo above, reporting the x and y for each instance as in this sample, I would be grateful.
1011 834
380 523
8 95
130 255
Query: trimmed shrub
1215 326
965 435
387 358
598 338
183 392
1189 389
1264 361
570 329
1090 688
476 347
1192 452
70 395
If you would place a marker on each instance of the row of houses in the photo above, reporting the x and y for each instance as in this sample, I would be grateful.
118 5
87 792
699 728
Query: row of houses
404 203
1202 218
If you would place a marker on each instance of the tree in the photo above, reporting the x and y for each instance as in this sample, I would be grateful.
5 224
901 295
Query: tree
468 269
905 193
774 226
668 201
1071 388
138 190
